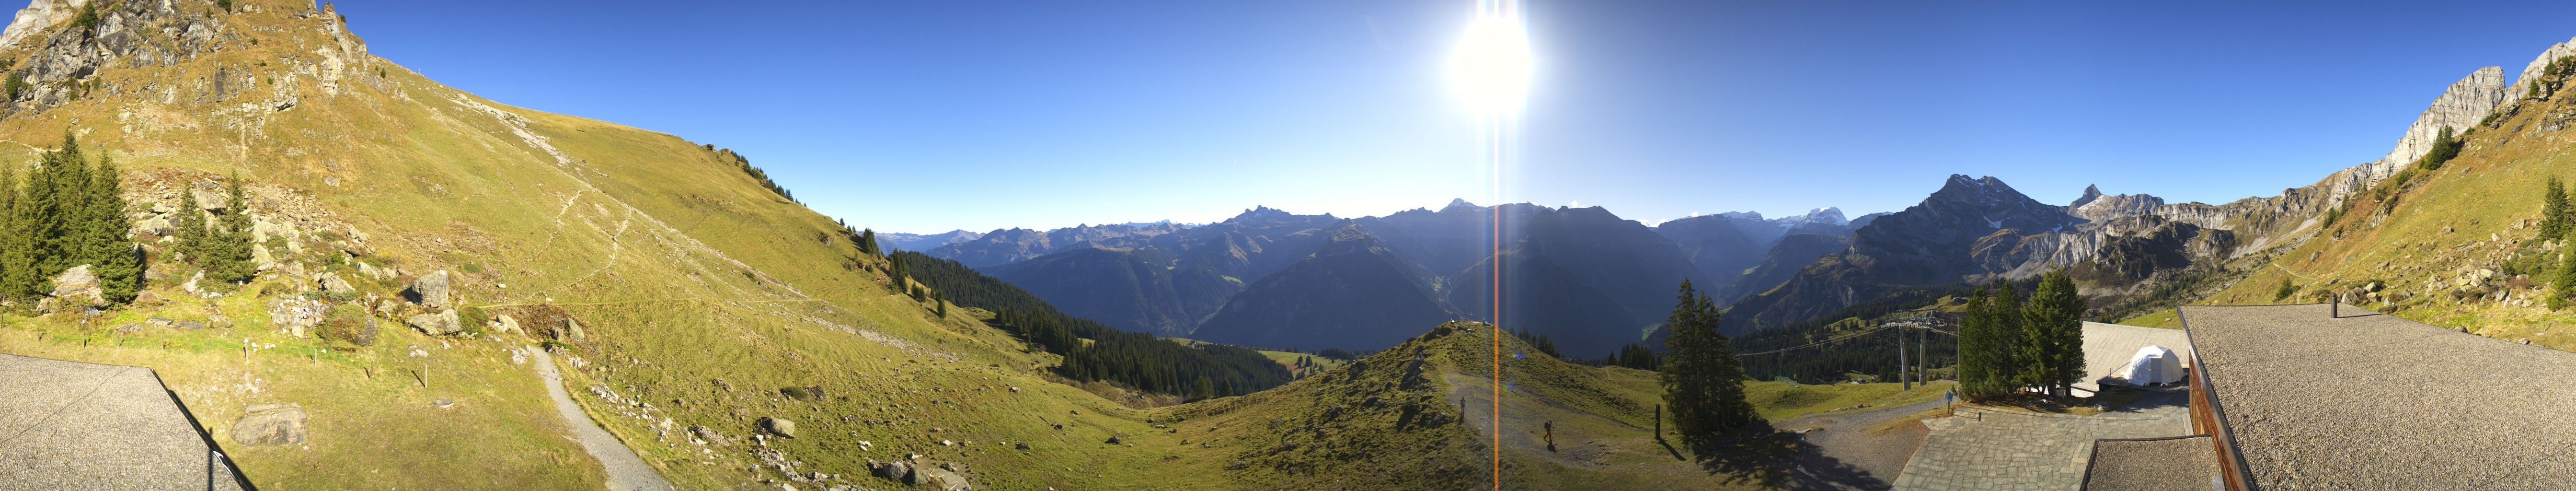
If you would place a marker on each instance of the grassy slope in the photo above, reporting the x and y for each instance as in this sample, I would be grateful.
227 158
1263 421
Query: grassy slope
439 185
2480 198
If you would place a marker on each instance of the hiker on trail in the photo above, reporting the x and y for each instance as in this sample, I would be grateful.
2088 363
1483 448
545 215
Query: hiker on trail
1551 431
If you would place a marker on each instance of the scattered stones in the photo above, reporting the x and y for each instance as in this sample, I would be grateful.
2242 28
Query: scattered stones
443 403
778 426
160 321
1112 441
191 325
296 315
443 322
416 352
270 424
947 443
430 290
1021 445
128 329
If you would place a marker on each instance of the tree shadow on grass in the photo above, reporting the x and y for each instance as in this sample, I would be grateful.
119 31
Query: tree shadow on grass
1775 459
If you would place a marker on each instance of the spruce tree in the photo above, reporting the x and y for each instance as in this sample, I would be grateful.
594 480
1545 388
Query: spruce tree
17 244
2055 329
228 250
1703 382
868 242
2566 284
194 233
2004 313
2553 210
120 261
1977 364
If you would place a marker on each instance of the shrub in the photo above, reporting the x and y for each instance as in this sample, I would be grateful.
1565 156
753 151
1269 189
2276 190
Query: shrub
349 323
472 319
2285 290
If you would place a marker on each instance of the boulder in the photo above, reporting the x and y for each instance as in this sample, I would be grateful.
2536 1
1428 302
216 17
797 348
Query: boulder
443 322
508 324
896 470
191 325
710 436
778 426
270 424
77 287
429 290
212 201
296 315
156 225
571 331
128 329
370 271
160 321
331 282
939 479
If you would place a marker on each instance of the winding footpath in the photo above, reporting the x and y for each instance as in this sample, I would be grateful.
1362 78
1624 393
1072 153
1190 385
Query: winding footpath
625 470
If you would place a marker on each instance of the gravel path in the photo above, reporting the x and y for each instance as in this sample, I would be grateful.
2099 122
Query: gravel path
1844 454
625 471
2012 450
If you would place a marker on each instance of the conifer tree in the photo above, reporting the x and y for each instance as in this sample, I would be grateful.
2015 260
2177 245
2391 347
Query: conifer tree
17 243
1703 381
193 231
228 250
2553 210
1982 375
868 242
2566 284
2004 313
2055 333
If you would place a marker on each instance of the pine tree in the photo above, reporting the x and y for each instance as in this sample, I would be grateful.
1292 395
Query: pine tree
2566 284
868 242
1703 381
2055 329
2004 313
228 250
17 244
2445 147
1980 368
120 261
194 233
2553 211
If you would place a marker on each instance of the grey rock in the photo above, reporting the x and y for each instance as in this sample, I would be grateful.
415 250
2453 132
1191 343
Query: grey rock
270 424
156 226
78 287
710 435
778 426
508 324
896 470
430 290
191 325
443 322
128 329
331 282
939 478
571 331
160 321
212 201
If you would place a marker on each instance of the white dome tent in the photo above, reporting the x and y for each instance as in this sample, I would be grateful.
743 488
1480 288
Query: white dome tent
2152 365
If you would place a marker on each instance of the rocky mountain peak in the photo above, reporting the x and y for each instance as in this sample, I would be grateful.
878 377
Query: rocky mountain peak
2459 107
1459 203
2091 192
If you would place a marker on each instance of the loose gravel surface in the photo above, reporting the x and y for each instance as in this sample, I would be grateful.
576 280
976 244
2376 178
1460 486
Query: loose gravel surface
2011 450
625 471
72 425
1844 454
2372 401
2170 464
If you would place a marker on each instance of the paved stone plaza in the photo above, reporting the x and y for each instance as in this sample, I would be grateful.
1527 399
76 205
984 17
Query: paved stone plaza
2011 450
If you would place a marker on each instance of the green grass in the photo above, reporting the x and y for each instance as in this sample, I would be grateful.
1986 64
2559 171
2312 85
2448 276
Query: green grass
1779 400
2165 319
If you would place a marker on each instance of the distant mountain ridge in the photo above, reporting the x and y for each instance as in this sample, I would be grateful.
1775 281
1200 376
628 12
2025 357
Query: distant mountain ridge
1586 277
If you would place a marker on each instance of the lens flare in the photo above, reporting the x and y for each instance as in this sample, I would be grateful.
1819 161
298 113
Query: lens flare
1491 70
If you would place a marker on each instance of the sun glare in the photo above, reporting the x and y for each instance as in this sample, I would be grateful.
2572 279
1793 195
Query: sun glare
1491 69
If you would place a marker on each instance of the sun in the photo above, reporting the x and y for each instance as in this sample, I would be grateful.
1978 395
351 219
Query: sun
1491 70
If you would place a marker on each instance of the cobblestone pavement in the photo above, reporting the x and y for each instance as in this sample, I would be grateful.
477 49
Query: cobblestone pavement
2009 450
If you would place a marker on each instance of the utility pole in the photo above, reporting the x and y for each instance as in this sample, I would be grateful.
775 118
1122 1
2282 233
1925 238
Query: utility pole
1901 366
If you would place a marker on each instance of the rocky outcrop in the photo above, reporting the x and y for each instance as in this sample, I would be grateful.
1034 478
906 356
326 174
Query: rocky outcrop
331 282
270 424
297 315
2531 71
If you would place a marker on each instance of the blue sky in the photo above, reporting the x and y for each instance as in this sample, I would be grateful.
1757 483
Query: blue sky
930 116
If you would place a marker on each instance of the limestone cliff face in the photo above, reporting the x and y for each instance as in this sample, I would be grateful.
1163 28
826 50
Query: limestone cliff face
2531 72
2459 107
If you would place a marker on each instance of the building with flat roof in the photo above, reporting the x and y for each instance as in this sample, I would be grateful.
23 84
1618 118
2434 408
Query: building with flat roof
72 425
2296 397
